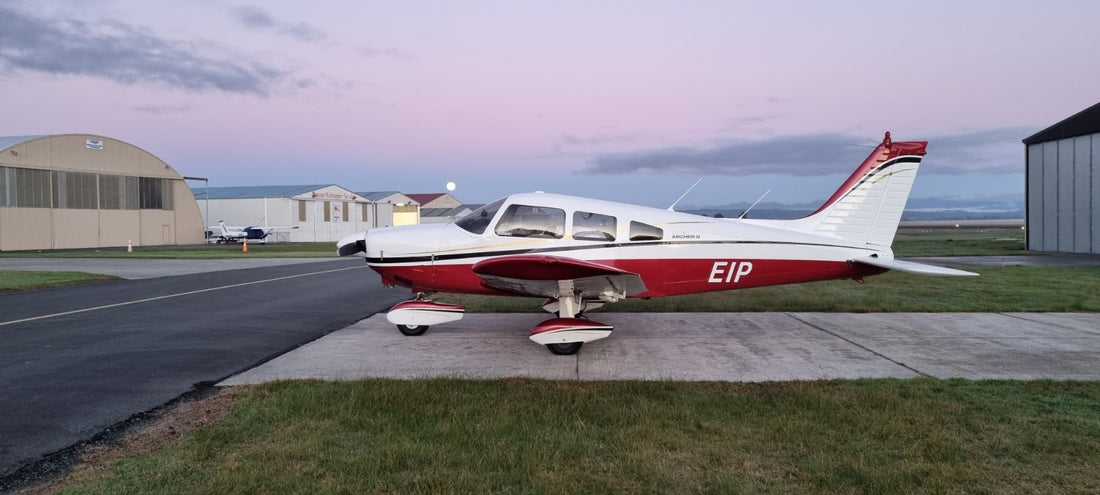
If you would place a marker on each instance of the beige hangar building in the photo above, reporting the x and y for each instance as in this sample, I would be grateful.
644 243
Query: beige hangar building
84 191
305 213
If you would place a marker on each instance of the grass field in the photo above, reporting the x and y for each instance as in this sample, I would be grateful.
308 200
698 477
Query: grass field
525 436
11 280
959 242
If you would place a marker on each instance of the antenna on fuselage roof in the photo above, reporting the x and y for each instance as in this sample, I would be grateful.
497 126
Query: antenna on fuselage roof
746 212
674 203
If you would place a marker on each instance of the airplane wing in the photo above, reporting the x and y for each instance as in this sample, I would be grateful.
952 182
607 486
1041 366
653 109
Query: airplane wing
540 275
911 267
269 229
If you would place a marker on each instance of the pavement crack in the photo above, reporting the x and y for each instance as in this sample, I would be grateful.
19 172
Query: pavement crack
861 346
1049 324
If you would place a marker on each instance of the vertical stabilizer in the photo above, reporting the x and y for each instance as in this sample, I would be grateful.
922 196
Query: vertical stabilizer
868 206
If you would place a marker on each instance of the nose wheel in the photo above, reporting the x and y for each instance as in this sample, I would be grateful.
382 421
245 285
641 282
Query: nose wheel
412 330
564 349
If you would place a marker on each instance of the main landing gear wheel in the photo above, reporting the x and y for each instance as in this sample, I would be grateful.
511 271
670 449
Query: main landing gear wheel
565 349
413 330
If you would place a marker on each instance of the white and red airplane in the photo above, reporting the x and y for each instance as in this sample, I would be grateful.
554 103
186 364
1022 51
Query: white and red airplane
580 253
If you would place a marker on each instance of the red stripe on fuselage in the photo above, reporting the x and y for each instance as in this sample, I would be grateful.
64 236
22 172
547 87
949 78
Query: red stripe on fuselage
663 277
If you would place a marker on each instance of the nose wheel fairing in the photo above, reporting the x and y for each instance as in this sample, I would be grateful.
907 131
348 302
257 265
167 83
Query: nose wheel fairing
423 313
569 330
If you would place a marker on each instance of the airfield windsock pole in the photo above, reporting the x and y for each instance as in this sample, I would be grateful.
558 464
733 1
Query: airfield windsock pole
245 248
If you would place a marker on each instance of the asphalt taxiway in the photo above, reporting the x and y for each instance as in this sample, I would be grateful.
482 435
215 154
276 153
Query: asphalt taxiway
80 360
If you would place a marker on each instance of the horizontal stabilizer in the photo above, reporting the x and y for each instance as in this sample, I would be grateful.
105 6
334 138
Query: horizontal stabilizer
918 268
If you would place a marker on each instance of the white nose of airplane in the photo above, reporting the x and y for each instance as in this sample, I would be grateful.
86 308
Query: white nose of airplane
355 244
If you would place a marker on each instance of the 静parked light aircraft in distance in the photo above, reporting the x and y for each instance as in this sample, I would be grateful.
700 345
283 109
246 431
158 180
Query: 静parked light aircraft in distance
232 234
581 253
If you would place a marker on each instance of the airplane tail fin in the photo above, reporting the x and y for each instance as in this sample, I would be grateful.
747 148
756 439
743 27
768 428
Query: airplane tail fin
868 206
225 230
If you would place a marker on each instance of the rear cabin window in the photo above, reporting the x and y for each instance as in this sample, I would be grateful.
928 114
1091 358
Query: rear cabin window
479 219
588 226
645 232
532 221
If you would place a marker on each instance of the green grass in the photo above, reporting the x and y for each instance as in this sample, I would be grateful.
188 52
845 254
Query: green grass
999 288
959 242
525 436
204 251
11 280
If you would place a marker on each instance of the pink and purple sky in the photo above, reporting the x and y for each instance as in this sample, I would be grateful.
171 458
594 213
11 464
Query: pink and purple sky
620 100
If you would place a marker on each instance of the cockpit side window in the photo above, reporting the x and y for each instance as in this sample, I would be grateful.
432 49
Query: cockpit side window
477 221
588 226
532 221
644 232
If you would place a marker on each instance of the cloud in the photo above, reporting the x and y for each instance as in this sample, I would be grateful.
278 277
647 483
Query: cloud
303 32
162 109
596 140
122 53
253 17
985 151
259 19
369 52
787 155
749 123
998 150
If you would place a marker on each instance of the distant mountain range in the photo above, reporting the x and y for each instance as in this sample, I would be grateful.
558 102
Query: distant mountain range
1002 206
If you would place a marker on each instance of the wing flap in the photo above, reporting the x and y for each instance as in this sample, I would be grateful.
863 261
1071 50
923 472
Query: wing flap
536 275
911 267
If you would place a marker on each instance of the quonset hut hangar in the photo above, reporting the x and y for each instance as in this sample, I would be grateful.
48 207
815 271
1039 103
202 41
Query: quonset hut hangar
81 191
1063 185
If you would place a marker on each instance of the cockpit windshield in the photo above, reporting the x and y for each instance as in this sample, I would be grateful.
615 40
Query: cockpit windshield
478 220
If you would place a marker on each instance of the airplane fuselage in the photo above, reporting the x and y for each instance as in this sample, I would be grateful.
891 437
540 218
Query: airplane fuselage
579 253
674 253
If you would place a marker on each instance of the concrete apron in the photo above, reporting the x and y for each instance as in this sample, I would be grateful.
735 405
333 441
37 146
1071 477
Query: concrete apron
738 347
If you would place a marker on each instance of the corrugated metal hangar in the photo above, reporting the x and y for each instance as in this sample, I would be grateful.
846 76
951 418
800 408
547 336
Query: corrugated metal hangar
81 190
1063 185
406 211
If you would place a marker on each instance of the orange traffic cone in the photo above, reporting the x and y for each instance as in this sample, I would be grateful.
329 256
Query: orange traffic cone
245 248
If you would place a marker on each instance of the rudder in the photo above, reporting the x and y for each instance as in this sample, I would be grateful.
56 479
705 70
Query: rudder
867 208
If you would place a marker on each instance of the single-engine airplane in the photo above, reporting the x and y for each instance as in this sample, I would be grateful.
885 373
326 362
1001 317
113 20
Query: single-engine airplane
580 253
231 235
